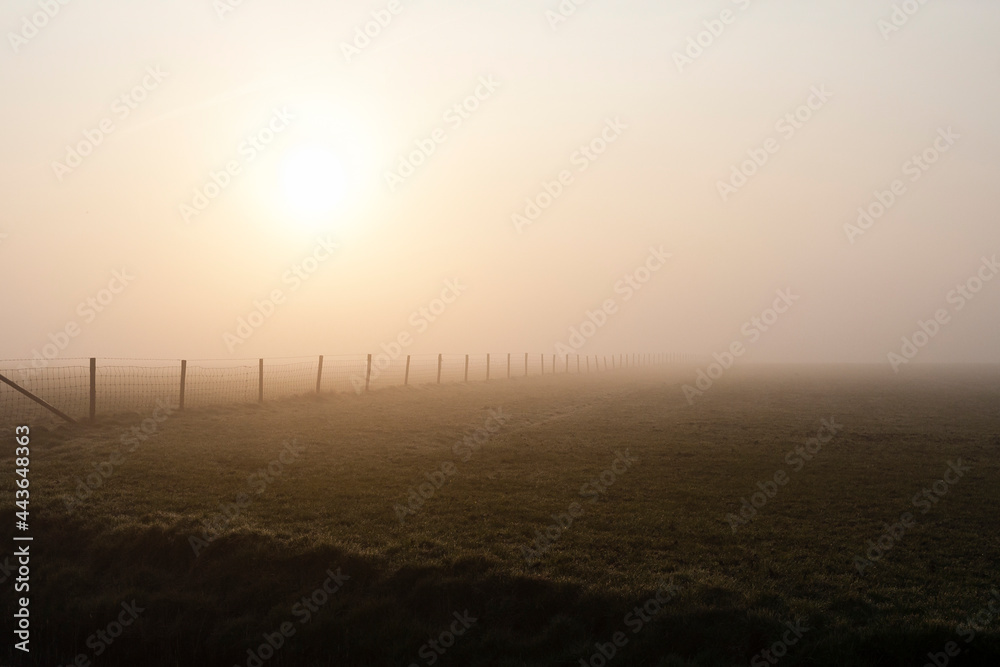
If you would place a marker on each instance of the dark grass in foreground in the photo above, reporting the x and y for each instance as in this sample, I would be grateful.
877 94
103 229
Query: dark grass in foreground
663 520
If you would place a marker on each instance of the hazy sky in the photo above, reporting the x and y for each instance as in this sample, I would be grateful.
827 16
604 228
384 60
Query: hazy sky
151 101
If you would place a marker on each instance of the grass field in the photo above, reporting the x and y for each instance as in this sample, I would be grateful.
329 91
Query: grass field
224 525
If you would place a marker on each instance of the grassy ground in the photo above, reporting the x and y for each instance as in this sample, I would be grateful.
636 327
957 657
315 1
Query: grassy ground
330 504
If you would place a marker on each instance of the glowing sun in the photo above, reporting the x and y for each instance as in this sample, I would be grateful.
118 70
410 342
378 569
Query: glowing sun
312 180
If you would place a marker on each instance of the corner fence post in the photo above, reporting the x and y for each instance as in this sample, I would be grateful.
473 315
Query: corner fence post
18 388
93 388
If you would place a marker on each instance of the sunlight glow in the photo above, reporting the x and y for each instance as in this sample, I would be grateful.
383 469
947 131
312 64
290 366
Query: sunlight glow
313 180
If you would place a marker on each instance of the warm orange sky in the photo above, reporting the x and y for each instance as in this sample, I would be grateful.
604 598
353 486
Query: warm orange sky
304 139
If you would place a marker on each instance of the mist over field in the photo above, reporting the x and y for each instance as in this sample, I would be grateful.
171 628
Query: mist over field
536 153
505 333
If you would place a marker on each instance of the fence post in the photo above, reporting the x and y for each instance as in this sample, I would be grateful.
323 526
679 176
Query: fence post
260 381
406 376
588 363
93 388
466 368
319 374
567 363
184 372
525 364
613 361
487 365
553 364
508 365
368 373
439 368
543 363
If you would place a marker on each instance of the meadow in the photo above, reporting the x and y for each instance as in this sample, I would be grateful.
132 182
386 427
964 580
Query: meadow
549 520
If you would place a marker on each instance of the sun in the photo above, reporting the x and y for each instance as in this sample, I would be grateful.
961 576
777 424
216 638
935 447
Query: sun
313 180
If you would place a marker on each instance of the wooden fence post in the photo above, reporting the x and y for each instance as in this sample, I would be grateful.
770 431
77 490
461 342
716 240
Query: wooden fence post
525 364
260 381
439 368
184 372
508 365
543 363
93 388
406 376
553 364
567 363
487 365
466 368
368 373
319 374
588 363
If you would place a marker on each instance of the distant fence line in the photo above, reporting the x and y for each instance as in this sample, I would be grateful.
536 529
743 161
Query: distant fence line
74 391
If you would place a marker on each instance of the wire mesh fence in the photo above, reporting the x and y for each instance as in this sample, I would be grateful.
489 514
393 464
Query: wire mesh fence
78 389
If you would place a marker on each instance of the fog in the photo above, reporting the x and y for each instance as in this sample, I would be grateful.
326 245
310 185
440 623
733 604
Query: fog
536 176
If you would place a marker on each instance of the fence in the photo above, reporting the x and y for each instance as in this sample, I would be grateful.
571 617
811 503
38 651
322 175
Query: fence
74 389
